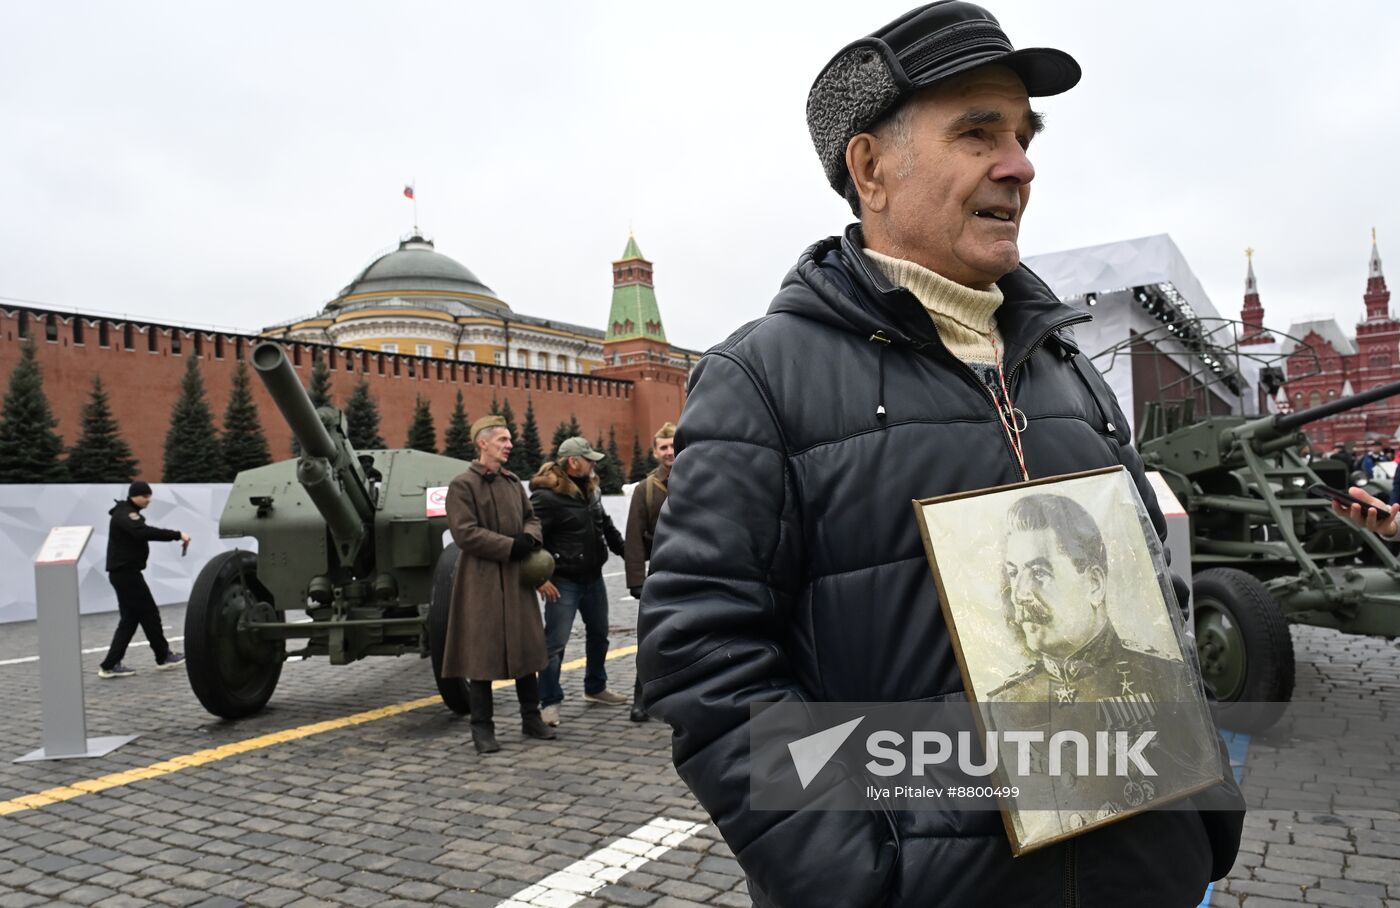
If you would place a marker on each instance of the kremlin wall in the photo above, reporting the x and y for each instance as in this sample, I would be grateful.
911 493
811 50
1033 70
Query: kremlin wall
414 322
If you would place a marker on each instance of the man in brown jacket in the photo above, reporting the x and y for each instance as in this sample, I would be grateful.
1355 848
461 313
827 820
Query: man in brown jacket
494 630
642 515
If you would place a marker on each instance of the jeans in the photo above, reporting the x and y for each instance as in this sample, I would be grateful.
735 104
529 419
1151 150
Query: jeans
588 598
137 606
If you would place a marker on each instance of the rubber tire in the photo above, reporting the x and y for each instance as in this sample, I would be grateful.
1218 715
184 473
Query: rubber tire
1268 647
452 690
202 650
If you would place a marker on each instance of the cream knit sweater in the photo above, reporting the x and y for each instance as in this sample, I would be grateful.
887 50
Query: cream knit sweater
965 318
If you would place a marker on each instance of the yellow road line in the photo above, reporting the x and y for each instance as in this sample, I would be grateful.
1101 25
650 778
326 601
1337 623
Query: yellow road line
223 752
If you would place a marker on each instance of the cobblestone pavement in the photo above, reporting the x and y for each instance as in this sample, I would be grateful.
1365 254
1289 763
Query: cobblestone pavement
401 810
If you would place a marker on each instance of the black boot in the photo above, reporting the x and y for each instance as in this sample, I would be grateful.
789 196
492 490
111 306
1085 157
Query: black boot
638 714
483 729
527 688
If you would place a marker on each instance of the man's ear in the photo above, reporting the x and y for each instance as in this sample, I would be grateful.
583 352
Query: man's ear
1098 585
864 161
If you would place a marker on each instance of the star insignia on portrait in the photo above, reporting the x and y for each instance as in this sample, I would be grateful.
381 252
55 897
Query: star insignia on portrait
1127 686
1065 694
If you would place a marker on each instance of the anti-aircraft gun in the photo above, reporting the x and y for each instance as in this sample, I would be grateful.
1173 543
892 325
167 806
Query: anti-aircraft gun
353 539
1264 553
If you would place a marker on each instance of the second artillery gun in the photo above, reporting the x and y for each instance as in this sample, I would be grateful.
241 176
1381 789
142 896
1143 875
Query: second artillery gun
1265 553
352 538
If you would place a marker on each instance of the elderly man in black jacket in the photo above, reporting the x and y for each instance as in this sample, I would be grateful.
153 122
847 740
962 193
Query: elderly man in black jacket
911 357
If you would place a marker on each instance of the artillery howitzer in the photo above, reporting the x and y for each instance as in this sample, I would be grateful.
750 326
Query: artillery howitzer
347 536
1264 553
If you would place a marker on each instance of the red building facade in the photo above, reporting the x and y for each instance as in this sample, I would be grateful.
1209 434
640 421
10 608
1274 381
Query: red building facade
1331 365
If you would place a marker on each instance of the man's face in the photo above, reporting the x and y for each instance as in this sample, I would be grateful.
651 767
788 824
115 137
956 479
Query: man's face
141 501
1058 607
664 450
579 467
957 191
495 447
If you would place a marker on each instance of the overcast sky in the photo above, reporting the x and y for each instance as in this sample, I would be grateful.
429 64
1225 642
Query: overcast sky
237 163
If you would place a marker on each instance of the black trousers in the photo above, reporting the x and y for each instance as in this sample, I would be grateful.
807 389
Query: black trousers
137 606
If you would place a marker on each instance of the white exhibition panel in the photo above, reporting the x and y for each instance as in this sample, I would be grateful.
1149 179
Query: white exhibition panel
28 512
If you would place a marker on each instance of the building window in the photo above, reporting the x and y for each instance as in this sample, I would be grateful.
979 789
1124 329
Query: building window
151 342
51 329
499 358
522 359
128 339
77 330
542 360
1380 360
389 348
562 363
104 334
218 346
198 344
1314 398
23 328
424 350
467 355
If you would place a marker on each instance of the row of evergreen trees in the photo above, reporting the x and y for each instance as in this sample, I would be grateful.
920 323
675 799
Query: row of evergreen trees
195 451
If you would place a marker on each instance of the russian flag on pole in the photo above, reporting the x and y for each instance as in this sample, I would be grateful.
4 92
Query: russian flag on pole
408 192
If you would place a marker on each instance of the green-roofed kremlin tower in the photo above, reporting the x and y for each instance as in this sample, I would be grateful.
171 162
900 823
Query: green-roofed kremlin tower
636 349
634 311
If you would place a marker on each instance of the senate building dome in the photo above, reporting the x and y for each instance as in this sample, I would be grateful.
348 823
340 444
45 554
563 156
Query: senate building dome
418 301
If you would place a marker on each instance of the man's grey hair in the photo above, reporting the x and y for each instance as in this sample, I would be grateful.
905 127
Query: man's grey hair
487 431
895 129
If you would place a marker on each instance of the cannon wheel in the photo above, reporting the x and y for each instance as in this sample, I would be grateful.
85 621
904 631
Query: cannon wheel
452 690
233 674
1245 650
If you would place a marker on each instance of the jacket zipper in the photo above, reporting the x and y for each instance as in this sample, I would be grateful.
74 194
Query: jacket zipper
1071 876
1011 375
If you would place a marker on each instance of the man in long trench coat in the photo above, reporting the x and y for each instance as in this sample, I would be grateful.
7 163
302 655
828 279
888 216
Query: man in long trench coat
494 630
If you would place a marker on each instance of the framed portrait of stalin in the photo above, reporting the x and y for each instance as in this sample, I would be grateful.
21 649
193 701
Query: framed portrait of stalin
1073 651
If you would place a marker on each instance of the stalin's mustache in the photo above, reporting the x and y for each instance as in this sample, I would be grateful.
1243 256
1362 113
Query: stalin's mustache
1032 611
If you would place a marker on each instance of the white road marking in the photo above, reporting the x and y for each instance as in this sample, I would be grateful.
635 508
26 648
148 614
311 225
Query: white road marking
95 649
607 865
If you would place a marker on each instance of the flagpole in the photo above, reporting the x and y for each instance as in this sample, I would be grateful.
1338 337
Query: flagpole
415 205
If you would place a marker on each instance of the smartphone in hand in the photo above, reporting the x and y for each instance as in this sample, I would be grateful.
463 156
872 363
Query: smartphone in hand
1345 499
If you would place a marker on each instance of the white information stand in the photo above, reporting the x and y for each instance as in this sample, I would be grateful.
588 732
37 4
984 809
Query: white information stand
60 652
1178 536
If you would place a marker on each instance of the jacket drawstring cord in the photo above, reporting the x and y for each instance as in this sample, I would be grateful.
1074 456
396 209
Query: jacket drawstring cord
879 338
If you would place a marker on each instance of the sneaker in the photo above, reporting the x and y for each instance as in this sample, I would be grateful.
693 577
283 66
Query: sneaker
116 671
172 660
606 697
550 715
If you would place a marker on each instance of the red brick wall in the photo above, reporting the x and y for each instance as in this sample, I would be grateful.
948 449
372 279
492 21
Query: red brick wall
144 385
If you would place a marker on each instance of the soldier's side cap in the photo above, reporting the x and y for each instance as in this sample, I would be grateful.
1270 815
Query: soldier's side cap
871 76
577 446
487 422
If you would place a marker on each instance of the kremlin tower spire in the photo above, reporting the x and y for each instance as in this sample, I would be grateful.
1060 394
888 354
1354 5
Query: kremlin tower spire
1377 295
1253 313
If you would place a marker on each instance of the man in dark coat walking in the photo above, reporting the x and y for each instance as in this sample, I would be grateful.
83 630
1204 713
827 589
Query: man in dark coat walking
642 514
493 627
911 357
129 540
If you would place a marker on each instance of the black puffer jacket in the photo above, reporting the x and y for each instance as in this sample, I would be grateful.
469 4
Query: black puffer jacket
788 566
577 531
129 538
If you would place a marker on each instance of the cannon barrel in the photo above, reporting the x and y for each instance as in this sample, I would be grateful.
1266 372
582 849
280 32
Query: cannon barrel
291 398
1280 424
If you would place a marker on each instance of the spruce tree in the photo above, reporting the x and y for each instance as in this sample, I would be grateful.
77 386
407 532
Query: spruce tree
565 430
458 439
529 444
422 434
320 390
192 445
610 467
362 419
639 462
29 447
101 455
244 445
516 462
